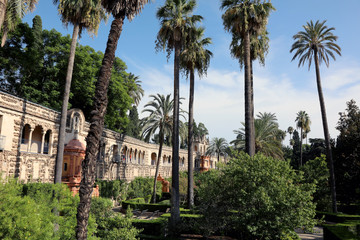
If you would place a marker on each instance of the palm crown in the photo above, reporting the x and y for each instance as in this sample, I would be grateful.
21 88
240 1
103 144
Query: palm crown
175 19
195 56
316 39
86 14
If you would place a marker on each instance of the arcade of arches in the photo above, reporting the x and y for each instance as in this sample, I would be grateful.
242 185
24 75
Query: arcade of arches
28 140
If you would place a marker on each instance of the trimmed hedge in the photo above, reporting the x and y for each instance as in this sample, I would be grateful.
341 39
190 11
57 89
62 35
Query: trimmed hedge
337 217
139 204
154 227
341 231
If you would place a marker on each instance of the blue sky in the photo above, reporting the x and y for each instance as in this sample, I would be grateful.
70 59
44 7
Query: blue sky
280 87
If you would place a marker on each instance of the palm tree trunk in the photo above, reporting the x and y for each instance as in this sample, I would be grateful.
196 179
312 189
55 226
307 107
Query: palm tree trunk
175 195
249 118
190 142
161 141
326 134
301 148
96 128
3 4
64 107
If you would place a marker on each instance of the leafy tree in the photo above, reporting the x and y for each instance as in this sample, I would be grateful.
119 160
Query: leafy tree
217 146
82 16
194 57
316 171
347 154
303 122
318 41
246 19
176 20
268 136
160 119
48 63
255 198
11 11
119 10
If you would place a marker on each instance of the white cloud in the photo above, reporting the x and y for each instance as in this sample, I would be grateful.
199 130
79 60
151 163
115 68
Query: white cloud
219 97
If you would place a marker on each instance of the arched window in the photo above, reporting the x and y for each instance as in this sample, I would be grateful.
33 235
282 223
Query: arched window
153 158
47 142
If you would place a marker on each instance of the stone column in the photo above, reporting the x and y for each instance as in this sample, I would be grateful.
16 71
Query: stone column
30 137
42 141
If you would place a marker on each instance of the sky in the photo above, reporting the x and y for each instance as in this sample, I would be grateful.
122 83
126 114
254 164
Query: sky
280 87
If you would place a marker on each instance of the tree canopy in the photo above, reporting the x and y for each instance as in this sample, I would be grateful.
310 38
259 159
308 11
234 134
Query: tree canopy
33 66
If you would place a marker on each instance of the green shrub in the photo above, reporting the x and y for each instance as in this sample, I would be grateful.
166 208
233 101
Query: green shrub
101 207
26 211
142 187
255 198
116 189
116 227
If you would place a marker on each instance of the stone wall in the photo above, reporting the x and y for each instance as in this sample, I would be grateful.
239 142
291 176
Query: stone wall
28 149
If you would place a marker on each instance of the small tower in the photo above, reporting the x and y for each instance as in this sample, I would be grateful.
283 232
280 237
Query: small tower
74 154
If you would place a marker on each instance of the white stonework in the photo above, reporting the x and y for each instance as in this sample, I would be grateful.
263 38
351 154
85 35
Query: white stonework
28 142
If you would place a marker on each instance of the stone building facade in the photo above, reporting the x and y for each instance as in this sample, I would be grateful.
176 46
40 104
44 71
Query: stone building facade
28 140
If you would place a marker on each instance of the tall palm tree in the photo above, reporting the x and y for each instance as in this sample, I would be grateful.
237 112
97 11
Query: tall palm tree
119 9
83 16
303 122
194 57
218 147
10 12
247 19
317 41
160 119
268 136
176 20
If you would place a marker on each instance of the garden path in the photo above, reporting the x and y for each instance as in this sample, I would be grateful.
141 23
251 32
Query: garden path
316 235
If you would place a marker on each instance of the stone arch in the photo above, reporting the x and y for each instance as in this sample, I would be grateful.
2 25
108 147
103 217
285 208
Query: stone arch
36 139
25 137
75 119
139 157
169 159
47 142
195 148
164 159
124 154
131 155
115 152
153 158
135 156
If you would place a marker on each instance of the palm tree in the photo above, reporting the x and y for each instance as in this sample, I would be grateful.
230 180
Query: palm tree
194 57
119 9
318 42
217 146
160 119
290 130
136 93
82 16
268 136
176 20
201 130
247 19
10 12
303 122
